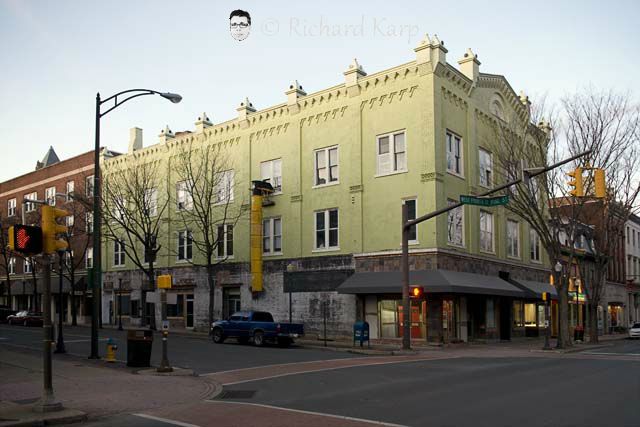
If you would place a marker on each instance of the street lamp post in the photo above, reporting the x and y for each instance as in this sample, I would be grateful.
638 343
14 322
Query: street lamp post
119 304
97 257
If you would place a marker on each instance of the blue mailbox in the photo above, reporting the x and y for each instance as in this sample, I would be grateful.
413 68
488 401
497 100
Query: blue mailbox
361 333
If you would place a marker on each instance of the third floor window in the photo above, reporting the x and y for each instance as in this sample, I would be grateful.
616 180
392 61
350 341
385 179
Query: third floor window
486 168
391 153
454 154
11 207
271 171
326 165
50 196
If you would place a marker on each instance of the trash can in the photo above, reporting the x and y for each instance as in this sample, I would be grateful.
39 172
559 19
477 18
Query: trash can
361 333
139 342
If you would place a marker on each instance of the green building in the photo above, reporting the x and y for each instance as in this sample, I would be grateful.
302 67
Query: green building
343 160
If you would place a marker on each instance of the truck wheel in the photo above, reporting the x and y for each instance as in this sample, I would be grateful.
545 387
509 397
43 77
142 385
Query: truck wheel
284 342
258 338
218 338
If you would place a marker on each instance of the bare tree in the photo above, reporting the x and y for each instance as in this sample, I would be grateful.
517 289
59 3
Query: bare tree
133 216
206 208
608 123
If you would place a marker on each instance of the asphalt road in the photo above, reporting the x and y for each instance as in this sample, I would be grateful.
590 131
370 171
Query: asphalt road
462 392
199 354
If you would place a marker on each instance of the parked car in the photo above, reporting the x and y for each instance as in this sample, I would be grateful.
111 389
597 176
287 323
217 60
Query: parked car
5 312
26 318
634 330
257 326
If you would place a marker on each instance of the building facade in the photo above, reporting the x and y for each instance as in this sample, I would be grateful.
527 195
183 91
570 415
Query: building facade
58 183
632 259
343 161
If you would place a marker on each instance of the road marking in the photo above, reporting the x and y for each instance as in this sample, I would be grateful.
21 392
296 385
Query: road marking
165 420
610 354
282 364
333 368
321 414
99 339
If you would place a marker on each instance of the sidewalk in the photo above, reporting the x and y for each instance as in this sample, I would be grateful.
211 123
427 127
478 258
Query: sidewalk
94 388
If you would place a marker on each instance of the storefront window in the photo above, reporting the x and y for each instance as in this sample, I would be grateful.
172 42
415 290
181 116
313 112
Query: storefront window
530 315
491 315
518 314
388 319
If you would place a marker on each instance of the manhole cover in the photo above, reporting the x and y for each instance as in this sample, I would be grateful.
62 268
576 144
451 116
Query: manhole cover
237 394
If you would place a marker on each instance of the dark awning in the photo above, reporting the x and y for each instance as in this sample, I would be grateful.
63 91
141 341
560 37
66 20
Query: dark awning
433 281
315 281
535 289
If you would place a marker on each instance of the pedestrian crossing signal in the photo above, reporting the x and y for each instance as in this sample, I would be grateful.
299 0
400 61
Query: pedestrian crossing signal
416 291
25 239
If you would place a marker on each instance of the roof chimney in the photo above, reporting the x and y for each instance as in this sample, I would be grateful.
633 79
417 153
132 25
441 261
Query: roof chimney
438 52
294 92
243 110
135 139
165 135
423 51
351 77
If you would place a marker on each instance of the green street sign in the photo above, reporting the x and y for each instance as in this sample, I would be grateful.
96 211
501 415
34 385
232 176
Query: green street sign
484 201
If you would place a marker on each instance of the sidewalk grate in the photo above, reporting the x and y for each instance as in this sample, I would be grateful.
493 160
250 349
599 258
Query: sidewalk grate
236 394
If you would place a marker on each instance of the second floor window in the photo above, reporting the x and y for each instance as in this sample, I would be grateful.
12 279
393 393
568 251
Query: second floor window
326 229
88 260
150 202
50 196
30 207
88 186
486 168
225 240
118 253
534 243
271 171
455 225
392 155
11 207
185 245
89 222
454 153
513 238
326 165
12 265
183 196
486 231
272 235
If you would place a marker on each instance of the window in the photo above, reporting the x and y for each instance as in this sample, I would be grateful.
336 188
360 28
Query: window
518 314
177 309
119 206
271 171
89 222
326 165
412 208
28 265
69 221
513 238
534 243
12 265
185 245
50 196
512 175
70 188
392 153
11 207
455 225
118 253
327 229
486 231
225 240
150 202
125 304
454 154
184 196
30 207
88 261
272 236
68 258
88 186
486 168
225 186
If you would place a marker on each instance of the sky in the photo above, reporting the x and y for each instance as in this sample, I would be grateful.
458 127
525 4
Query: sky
56 55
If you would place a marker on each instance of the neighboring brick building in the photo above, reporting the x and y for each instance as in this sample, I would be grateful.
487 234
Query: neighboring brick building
632 252
51 176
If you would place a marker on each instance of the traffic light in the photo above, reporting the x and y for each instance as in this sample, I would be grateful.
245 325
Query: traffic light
51 228
578 190
25 239
598 177
416 291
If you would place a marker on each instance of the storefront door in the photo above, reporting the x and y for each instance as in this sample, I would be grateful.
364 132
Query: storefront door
230 301
418 319
189 320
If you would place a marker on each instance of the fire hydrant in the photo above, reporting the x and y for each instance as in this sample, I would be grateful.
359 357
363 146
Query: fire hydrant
112 347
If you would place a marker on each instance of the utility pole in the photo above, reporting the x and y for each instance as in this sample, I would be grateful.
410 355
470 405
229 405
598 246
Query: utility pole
60 341
165 366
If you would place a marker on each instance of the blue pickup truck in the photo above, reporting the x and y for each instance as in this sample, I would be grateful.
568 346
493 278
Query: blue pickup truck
257 326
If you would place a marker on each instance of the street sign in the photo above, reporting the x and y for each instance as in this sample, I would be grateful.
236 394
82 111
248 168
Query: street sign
484 201
165 325
164 281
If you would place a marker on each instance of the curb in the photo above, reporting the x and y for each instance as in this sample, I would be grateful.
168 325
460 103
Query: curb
53 418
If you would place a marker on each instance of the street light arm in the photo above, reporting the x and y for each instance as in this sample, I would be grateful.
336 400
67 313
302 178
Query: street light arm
119 103
147 92
175 98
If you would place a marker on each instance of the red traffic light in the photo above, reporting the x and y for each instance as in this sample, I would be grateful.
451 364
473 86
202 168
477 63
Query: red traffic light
416 291
25 239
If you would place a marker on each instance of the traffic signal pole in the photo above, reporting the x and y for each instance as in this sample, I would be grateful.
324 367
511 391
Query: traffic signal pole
407 224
